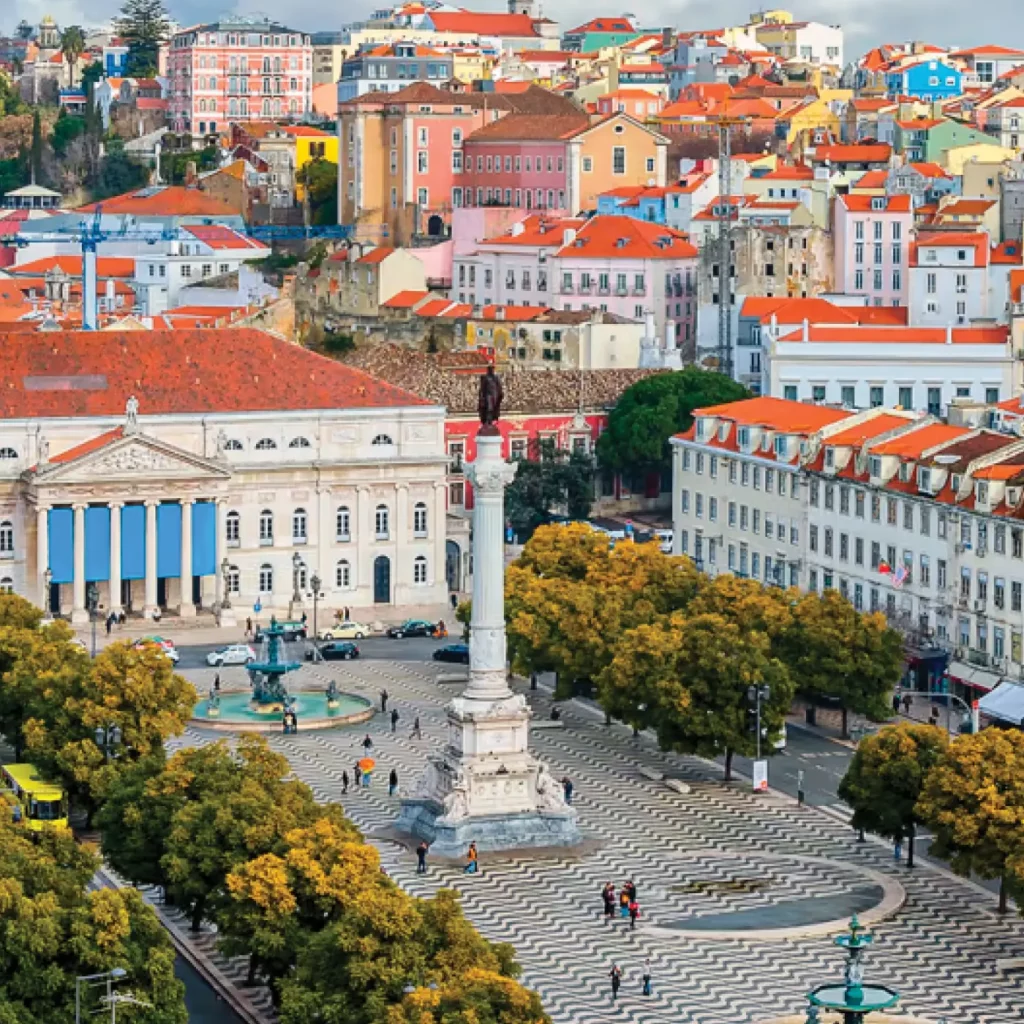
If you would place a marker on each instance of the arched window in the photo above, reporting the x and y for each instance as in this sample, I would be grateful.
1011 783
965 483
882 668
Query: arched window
382 439
419 519
299 442
232 444
293 107
232 528
343 575
264 444
6 585
381 522
419 570
245 108
234 580
266 527
266 108
8 453
232 108
6 537
299 534
277 105
343 523
266 579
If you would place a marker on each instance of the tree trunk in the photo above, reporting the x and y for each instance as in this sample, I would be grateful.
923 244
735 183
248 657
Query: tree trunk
250 978
728 764
846 724
911 835
197 915
1003 894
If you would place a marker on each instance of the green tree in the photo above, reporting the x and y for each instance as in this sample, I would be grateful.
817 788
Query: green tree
548 481
973 801
836 651
91 74
884 781
65 130
116 173
143 25
320 180
133 690
72 46
25 30
654 409
36 150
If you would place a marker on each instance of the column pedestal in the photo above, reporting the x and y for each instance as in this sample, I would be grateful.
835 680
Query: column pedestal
485 786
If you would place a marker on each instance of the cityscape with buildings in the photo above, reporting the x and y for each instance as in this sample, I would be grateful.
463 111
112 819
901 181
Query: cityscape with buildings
507 519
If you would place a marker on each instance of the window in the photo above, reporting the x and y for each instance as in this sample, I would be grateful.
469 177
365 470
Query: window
342 524
266 579
382 439
381 522
8 453
234 580
299 524
264 444
299 442
419 520
419 570
232 529
588 164
343 575
266 527
6 538
619 160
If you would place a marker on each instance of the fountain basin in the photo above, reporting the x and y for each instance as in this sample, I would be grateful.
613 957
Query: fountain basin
237 712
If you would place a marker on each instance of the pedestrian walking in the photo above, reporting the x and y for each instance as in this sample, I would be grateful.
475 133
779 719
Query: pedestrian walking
907 701
567 789
646 990
393 783
608 895
623 902
357 775
384 701
394 719
110 623
416 733
345 614
455 602
896 703
216 683
630 888
634 913
616 975
248 628
472 860
344 782
421 857
367 744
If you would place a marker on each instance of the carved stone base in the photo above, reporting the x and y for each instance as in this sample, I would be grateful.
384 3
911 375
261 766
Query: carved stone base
187 610
226 617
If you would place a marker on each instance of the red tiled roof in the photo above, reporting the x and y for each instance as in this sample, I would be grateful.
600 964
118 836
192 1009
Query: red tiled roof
529 127
172 201
867 153
216 236
795 310
106 266
976 240
776 413
931 170
92 445
468 22
916 442
788 172
871 179
1011 253
967 207
604 25
921 123
857 434
518 313
537 230
884 335
405 300
614 237
434 307
865 204
378 255
93 373
990 50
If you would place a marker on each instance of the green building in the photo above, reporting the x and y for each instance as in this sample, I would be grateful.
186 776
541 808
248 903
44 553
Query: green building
599 33
927 139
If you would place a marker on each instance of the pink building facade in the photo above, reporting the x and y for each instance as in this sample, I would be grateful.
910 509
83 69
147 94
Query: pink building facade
237 69
872 247
524 174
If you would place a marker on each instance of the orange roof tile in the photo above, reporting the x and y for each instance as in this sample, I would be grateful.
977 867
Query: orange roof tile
884 334
921 123
775 413
404 300
871 179
931 170
865 204
170 201
519 313
378 255
976 240
614 237
92 445
530 126
878 152
488 24
216 236
106 266
854 436
967 207
916 442
788 172
1007 253
434 307
537 230
1001 471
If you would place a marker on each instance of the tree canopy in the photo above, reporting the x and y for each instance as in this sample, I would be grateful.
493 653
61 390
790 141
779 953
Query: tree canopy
551 481
143 25
884 781
654 409
320 178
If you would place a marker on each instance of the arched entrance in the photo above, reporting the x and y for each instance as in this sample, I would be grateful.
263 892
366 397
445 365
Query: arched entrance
382 580
435 226
453 566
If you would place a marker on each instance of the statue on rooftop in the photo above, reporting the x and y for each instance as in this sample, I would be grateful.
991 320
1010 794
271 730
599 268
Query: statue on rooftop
491 395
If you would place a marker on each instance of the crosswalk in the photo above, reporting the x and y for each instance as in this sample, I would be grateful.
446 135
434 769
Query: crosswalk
717 850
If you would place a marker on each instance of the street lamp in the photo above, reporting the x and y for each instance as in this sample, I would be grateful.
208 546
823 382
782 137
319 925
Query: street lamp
92 601
108 739
758 695
108 979
225 571
315 582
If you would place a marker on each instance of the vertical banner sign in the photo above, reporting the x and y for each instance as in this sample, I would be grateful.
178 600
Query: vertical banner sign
760 776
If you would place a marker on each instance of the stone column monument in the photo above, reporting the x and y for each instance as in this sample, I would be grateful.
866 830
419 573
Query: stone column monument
484 786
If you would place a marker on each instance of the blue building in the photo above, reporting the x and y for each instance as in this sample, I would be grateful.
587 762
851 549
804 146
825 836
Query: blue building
638 202
927 80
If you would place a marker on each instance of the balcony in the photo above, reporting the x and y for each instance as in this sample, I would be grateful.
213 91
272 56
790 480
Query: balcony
605 290
621 290
568 288
639 291
977 657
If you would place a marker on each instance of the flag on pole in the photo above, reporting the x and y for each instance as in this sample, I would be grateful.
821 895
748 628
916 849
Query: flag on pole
900 576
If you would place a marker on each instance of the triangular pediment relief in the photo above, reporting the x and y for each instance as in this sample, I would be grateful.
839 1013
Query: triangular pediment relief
134 457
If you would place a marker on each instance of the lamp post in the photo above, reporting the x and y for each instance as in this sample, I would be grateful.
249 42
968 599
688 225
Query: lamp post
108 978
315 582
296 595
225 572
47 584
108 739
92 601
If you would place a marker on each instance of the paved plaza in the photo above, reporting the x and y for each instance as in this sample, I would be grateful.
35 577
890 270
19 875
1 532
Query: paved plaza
716 869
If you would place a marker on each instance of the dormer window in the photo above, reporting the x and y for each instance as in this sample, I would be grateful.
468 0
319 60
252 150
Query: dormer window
875 466
956 483
743 438
781 447
830 458
983 493
905 471
702 428
723 431
924 480
878 202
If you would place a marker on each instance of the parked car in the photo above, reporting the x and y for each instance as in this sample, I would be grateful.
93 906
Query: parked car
167 646
412 627
458 653
347 630
292 631
336 650
234 654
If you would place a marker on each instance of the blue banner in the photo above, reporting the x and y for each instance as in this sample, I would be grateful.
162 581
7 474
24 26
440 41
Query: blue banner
204 538
168 540
97 543
61 524
133 542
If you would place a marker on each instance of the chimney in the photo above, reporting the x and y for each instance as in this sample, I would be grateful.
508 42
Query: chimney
807 329
568 236
949 334
666 37
110 295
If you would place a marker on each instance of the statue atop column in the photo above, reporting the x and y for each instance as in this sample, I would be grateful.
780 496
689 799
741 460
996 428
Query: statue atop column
491 395
131 415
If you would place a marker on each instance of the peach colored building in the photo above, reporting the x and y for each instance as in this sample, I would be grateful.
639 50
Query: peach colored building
237 69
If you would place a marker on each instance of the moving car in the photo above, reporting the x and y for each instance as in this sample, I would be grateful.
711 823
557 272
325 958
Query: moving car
412 627
292 631
458 653
347 630
167 646
234 654
336 650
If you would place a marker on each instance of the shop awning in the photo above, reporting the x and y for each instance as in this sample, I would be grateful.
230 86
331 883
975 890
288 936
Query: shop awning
1005 702
973 675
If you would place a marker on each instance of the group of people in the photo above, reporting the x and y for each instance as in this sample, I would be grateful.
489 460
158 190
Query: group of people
616 976
115 619
627 902
289 722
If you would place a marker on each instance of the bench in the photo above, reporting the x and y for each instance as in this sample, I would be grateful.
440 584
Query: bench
547 723
678 786
653 774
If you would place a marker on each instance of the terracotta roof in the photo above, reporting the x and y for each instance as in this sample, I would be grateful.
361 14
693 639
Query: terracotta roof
106 266
216 236
1011 253
866 204
613 237
871 179
788 172
921 123
795 310
467 22
404 300
378 255
989 51
537 230
916 442
977 241
92 445
433 307
967 207
93 373
931 170
530 127
604 25
1002 470
534 100
776 413
885 335
517 313
854 436
169 201
13 304
869 105
305 130
878 152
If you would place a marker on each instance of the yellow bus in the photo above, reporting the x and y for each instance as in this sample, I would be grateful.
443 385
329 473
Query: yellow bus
38 802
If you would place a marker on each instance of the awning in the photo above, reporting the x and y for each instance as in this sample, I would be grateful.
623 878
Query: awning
973 675
1005 702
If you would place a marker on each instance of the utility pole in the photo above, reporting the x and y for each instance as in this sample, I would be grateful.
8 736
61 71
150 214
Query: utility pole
723 351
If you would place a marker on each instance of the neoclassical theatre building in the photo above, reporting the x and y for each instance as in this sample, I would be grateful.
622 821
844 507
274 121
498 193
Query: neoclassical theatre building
164 466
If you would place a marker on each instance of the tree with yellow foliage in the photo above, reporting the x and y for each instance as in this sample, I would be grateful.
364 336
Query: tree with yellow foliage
477 997
973 801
